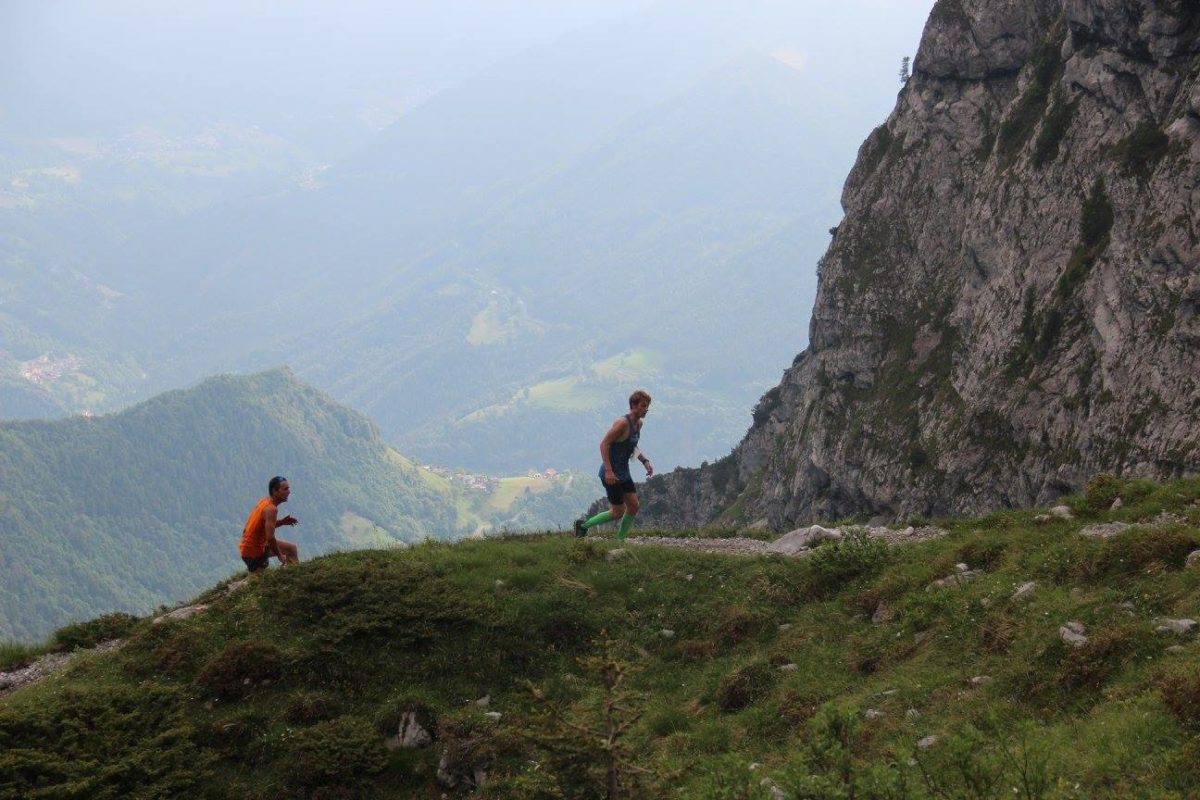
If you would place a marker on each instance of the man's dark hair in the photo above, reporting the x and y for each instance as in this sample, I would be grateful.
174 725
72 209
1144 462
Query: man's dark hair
274 483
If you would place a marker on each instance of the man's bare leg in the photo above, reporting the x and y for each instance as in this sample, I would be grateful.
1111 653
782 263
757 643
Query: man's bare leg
287 552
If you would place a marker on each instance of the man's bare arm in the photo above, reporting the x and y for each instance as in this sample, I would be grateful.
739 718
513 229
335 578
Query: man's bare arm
642 457
270 515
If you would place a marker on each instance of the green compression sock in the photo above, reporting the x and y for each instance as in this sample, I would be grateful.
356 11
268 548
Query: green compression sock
623 528
603 516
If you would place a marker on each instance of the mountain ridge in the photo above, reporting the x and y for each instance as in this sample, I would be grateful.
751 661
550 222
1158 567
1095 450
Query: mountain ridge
129 510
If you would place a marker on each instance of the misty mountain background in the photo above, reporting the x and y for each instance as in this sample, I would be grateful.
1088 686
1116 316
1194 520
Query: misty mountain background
482 224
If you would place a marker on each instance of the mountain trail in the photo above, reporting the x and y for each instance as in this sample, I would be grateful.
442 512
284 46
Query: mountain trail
745 546
53 663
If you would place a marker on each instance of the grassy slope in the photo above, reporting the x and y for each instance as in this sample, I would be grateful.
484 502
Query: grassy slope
349 640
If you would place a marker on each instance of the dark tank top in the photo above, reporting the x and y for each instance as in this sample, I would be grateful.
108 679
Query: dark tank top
620 453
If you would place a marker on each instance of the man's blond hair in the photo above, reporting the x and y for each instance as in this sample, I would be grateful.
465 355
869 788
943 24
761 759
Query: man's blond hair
638 397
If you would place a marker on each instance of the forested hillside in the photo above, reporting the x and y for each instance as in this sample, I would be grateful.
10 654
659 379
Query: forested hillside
128 511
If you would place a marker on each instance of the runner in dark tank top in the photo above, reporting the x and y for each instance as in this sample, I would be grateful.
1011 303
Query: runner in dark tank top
616 449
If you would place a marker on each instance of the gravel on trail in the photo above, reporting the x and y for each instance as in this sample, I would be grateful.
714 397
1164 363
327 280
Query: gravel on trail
46 666
745 546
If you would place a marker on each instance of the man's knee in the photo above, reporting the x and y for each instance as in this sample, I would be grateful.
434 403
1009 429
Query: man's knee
632 505
618 511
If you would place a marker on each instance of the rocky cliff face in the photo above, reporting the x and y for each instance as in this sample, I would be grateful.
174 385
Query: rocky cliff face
1010 304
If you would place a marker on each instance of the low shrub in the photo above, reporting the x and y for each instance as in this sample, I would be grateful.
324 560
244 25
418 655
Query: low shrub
745 686
736 624
1140 151
102 742
237 736
1101 491
997 632
172 651
1181 693
309 708
471 745
388 718
14 655
584 551
342 752
855 555
1089 667
984 551
93 632
241 668
1139 550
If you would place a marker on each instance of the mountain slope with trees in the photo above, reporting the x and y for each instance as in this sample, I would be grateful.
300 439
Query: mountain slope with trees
127 511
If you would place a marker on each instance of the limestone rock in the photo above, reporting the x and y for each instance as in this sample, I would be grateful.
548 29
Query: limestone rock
615 554
802 538
1074 634
1024 591
1176 626
951 264
181 613
1103 530
960 578
411 733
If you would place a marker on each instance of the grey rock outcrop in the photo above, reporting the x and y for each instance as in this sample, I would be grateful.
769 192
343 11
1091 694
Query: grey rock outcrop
1024 591
1073 633
1012 301
410 733
802 539
1176 626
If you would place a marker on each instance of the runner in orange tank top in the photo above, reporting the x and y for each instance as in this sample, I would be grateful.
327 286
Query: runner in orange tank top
259 542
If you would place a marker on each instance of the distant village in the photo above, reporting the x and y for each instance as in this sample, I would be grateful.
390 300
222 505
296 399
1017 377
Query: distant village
43 369
489 483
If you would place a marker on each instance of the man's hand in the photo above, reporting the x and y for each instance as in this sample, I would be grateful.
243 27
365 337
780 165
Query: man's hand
288 520
649 467
610 477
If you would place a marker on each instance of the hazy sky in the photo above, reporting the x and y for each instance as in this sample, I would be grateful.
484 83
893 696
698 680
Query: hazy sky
76 67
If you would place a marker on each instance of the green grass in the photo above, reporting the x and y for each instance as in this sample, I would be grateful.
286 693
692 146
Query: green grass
565 394
14 655
290 686
630 366
511 488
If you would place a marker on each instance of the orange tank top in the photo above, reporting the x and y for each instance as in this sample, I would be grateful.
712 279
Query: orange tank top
254 535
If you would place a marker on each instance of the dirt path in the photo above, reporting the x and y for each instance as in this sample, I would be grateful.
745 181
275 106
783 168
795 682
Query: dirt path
53 663
743 546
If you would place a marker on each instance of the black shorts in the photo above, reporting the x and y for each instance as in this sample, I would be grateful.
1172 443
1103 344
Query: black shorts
257 562
616 491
